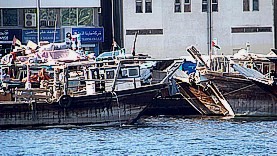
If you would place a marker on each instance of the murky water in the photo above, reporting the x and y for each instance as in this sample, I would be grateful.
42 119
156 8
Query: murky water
156 136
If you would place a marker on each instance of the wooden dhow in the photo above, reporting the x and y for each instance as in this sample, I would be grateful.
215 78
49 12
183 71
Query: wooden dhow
81 92
243 95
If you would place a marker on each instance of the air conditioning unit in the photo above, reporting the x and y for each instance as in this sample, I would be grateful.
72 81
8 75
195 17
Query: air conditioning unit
51 23
30 20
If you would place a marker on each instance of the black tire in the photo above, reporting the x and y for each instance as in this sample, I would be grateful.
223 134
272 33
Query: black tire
65 101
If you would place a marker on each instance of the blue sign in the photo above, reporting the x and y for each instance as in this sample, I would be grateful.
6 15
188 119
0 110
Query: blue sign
45 35
6 35
90 35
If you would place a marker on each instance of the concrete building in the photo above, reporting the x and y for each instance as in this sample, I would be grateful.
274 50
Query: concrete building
166 27
56 18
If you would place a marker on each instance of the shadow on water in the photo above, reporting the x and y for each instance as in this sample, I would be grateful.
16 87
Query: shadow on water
153 121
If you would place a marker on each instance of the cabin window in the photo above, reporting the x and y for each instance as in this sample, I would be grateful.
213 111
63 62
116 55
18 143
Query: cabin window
187 6
255 5
265 68
124 73
110 74
95 74
258 67
177 6
21 74
148 6
138 6
133 72
246 5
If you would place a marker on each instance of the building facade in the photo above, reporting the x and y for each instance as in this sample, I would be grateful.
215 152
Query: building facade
56 19
166 27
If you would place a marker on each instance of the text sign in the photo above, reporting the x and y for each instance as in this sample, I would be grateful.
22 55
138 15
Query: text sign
90 35
6 35
45 35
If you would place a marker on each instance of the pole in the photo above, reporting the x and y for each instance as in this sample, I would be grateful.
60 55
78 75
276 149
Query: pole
54 35
28 82
134 45
116 75
209 27
38 20
113 25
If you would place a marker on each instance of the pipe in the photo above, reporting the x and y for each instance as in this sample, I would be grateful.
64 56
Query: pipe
38 21
209 29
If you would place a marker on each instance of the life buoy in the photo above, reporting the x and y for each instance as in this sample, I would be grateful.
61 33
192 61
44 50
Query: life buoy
65 101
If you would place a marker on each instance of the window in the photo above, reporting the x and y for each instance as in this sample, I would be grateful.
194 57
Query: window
133 73
246 5
255 5
48 17
138 6
187 6
10 17
265 68
177 6
85 16
145 32
48 14
77 16
251 29
214 5
148 6
204 5
124 73
69 16
110 74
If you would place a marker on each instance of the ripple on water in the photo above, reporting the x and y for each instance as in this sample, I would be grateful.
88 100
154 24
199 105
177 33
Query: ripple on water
157 136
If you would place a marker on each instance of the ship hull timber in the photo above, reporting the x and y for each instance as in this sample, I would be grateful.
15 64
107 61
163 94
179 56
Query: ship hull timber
245 97
120 107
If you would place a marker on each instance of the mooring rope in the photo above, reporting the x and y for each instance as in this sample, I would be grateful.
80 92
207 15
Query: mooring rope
239 89
119 114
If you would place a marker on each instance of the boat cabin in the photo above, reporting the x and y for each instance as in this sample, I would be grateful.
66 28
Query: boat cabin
106 77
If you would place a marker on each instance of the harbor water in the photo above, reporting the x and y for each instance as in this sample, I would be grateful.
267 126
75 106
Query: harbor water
154 136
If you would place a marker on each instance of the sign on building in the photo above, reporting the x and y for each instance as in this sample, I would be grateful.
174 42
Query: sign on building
89 35
6 35
45 35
